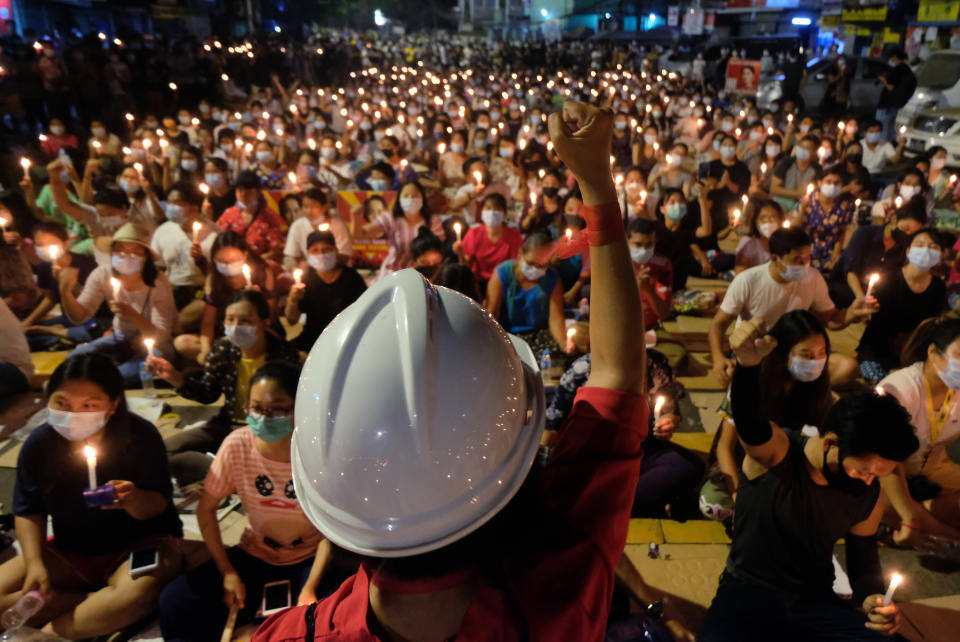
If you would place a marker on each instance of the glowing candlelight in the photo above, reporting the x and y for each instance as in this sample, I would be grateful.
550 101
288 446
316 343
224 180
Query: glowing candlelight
115 284
149 343
91 454
840 125
246 274
53 251
129 117
568 233
898 202
736 217
172 86
25 164
441 148
745 200
789 118
786 225
872 282
139 168
478 176
457 228
658 407
571 346
894 583
292 177
204 189
297 276
197 226
903 130
323 227
880 391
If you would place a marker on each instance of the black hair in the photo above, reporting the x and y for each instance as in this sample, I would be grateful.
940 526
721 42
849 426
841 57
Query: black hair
425 213
317 236
457 277
785 240
95 368
940 332
149 271
386 169
465 168
227 133
535 241
670 191
53 228
189 192
248 179
193 151
111 197
256 299
915 209
284 373
641 226
795 403
424 242
219 163
913 171
316 194
23 219
870 424
497 199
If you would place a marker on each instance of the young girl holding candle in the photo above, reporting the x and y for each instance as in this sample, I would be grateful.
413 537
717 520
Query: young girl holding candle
139 295
485 247
278 545
84 568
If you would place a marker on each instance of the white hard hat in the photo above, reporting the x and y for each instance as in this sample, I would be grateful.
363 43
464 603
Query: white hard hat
417 419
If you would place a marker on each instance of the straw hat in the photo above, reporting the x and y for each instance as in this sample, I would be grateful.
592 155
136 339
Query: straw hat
128 233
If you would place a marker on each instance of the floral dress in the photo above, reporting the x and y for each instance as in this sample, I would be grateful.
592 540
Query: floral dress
826 229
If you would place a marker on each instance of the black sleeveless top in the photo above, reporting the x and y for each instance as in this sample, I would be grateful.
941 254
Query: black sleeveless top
786 525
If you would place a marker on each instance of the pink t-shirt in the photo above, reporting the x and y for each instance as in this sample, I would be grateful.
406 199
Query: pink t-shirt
265 488
487 254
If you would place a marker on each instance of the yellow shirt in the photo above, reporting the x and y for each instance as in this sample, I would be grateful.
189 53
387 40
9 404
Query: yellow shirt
245 370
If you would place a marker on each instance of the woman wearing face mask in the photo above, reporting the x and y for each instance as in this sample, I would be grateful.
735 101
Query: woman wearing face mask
825 215
221 195
271 173
633 194
939 178
621 146
144 208
450 164
188 168
334 169
102 144
754 249
486 246
83 568
762 166
526 296
57 137
797 384
926 387
646 148
543 214
410 213
678 242
911 183
279 544
248 343
326 289
670 174
224 281
906 297
142 305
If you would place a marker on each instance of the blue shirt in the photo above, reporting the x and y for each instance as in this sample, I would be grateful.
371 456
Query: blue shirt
525 310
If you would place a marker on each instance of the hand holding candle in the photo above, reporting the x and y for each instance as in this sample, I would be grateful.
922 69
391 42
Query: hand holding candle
148 342
571 346
457 228
658 408
872 282
297 276
197 226
894 583
25 164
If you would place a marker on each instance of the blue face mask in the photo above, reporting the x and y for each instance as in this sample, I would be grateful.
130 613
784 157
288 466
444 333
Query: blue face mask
806 370
126 264
795 272
214 180
270 429
378 184
676 211
923 258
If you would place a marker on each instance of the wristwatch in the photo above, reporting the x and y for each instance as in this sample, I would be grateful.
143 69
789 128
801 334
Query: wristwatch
655 610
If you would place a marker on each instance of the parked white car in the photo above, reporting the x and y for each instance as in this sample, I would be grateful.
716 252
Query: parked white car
938 85
933 127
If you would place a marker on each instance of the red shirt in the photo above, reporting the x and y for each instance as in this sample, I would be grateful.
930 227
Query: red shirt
661 273
487 255
562 592
51 146
266 231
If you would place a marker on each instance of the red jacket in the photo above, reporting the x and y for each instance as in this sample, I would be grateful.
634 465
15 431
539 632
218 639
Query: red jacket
560 593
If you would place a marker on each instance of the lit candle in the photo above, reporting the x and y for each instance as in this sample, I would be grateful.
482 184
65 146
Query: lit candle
898 202
789 118
115 284
323 227
457 228
568 233
856 203
478 176
953 179
172 86
53 251
297 275
441 148
571 346
246 274
91 454
658 407
25 164
149 343
903 130
745 200
197 226
840 125
880 391
736 217
204 188
894 583
292 177
139 168
786 225
872 282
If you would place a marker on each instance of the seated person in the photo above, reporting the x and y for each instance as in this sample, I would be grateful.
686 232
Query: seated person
141 301
797 496
327 288
16 364
879 153
261 228
677 242
793 173
280 544
754 248
905 296
316 214
457 277
224 281
911 183
486 246
874 249
55 265
926 388
574 270
84 567
426 250
248 344
826 214
526 296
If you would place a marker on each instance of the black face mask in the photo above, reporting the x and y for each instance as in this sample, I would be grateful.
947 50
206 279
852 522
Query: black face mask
839 479
551 192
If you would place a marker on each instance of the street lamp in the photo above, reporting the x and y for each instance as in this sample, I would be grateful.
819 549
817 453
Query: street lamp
544 13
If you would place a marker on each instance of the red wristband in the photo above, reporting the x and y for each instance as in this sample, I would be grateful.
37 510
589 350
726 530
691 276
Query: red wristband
604 223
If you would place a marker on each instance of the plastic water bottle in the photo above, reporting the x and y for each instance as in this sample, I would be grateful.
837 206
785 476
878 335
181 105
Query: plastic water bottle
545 361
25 608
146 381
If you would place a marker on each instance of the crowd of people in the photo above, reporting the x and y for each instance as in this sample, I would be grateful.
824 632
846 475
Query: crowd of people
203 216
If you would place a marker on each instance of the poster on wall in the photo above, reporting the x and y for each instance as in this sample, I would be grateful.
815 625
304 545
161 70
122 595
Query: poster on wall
742 76
693 22
366 254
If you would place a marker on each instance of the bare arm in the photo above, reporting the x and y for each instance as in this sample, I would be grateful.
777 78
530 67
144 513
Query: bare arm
210 529
62 199
494 295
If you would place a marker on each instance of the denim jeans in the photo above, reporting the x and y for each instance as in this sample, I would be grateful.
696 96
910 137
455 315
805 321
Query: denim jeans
888 118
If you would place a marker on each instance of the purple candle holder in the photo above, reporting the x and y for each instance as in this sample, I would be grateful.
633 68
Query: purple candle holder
100 496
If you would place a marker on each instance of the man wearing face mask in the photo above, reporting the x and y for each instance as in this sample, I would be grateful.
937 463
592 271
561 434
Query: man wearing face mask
793 173
877 152
770 290
327 288
261 227
246 345
317 213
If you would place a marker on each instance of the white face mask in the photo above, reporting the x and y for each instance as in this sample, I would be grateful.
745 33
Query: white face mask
411 204
531 272
126 264
641 255
830 190
173 212
323 262
938 162
727 152
242 336
492 218
99 132
806 370
773 150
795 272
230 269
909 191
76 426
923 258
767 229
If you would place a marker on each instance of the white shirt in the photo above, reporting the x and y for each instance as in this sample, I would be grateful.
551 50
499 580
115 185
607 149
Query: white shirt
174 246
155 303
875 159
754 293
13 342
300 229
908 387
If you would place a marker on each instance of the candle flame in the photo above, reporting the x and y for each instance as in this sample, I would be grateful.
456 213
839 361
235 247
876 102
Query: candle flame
292 177
89 452
204 188
873 279
479 177
197 226
895 580
571 332
297 275
25 163
880 391
323 227
658 406
246 270
149 343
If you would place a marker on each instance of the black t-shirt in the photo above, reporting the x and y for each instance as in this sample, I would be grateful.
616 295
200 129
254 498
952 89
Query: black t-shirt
322 302
673 244
52 475
739 173
46 281
786 526
901 311
221 203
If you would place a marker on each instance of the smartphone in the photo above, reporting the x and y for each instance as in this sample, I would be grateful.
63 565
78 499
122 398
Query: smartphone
703 170
144 561
276 597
